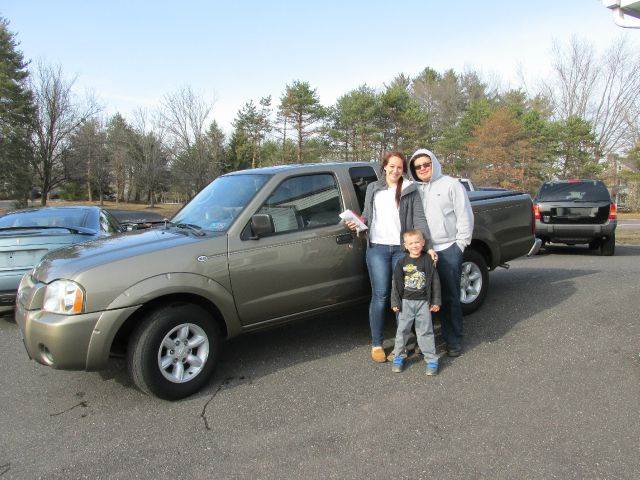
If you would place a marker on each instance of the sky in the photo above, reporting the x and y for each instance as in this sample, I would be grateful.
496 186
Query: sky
132 53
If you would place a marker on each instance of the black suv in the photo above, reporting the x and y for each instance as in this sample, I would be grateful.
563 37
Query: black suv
576 211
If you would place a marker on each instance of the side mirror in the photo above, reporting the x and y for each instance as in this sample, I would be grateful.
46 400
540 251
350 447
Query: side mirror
127 227
261 225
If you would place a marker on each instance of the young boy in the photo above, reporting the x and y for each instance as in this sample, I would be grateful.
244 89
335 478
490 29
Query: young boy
415 293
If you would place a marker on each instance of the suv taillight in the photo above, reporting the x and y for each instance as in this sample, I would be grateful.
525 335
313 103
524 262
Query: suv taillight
536 212
613 212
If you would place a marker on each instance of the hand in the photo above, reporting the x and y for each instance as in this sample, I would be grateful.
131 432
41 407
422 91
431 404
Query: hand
395 309
432 253
435 308
351 225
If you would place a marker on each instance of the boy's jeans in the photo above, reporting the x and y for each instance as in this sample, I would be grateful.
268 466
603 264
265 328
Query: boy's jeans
381 260
417 310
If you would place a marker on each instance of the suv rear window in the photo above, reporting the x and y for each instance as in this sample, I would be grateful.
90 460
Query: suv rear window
581 191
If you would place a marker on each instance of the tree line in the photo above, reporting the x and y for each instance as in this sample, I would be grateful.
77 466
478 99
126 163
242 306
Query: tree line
576 123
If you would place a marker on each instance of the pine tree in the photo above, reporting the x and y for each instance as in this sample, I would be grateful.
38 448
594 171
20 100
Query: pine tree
16 119
301 106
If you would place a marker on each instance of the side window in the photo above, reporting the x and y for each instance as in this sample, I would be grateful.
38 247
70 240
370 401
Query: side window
361 177
304 202
106 225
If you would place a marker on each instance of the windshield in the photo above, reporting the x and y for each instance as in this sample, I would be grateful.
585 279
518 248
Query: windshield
588 191
219 204
48 217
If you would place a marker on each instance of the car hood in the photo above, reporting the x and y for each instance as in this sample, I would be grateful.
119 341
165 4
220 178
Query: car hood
67 262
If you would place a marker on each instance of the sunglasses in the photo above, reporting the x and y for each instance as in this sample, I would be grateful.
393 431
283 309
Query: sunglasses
422 165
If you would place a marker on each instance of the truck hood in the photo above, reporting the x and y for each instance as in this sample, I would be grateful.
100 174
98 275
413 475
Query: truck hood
67 262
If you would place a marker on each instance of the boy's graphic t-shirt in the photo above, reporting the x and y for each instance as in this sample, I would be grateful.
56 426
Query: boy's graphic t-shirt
415 278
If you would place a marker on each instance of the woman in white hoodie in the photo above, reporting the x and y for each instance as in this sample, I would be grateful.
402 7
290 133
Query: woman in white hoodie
450 219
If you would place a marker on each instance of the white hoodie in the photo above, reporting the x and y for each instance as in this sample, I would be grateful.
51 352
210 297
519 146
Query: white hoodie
446 206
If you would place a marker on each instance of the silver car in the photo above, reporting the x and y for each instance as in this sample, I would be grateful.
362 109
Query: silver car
27 235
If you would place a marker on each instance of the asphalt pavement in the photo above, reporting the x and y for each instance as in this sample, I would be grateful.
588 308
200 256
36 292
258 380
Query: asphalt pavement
548 387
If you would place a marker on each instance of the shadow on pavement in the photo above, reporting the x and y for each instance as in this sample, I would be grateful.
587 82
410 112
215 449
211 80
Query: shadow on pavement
516 296
622 250
512 298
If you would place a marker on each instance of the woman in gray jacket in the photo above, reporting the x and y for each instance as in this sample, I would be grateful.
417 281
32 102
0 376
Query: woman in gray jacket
392 206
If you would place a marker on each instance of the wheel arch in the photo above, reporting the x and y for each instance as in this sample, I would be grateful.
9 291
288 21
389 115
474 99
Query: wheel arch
125 311
483 249
119 343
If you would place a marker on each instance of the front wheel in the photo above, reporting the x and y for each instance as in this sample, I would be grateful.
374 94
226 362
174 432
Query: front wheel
474 281
173 352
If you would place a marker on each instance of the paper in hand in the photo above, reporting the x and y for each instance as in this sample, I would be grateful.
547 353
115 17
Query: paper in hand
349 216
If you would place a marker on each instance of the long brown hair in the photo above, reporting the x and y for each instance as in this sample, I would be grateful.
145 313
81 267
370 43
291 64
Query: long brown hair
385 159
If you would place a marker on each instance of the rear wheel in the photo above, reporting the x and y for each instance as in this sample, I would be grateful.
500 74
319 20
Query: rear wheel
608 245
474 281
173 352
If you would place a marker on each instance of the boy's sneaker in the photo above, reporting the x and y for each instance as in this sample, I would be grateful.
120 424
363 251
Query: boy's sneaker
432 369
398 364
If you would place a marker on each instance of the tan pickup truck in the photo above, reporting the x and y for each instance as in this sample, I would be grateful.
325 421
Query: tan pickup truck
253 249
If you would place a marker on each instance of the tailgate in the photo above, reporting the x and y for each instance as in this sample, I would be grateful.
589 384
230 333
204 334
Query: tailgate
567 213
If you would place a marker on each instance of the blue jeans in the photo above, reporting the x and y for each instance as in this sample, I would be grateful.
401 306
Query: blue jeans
381 260
450 271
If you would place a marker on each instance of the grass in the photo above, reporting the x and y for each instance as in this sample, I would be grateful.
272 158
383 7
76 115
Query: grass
165 209
628 237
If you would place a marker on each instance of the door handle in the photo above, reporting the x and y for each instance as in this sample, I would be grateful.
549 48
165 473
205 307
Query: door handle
344 238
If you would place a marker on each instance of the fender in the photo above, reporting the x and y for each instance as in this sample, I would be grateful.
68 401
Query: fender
482 234
121 308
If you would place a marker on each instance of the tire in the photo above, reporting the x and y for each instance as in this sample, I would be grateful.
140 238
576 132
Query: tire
608 246
160 339
542 248
474 282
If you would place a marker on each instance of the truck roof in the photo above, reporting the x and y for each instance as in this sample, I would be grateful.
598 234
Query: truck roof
300 166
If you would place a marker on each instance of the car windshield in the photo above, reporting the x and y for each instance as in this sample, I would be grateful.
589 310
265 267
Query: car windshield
218 205
48 217
587 191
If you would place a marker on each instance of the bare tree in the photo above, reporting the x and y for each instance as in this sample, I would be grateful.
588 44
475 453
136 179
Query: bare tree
603 90
150 155
58 115
88 160
185 116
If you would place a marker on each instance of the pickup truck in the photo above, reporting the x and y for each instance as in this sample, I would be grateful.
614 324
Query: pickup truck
253 249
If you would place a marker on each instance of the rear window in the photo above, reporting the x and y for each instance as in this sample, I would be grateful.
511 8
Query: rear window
361 177
48 217
584 191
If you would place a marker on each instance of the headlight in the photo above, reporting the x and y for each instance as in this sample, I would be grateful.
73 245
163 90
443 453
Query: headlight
63 296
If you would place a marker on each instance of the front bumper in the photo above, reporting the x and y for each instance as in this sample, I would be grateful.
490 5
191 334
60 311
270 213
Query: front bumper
70 342
9 281
574 233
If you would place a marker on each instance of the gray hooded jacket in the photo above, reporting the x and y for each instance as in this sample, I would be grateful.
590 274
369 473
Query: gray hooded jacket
411 211
446 205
